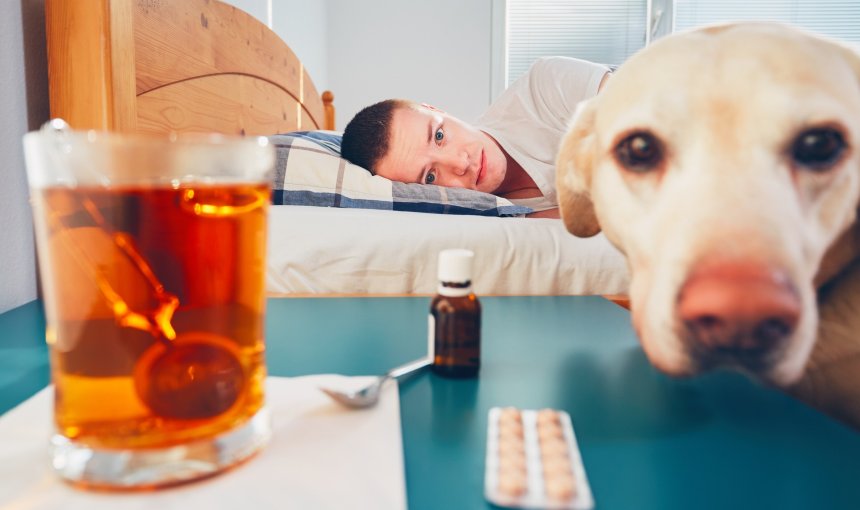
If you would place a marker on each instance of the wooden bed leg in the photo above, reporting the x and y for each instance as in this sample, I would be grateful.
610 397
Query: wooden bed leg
328 106
620 300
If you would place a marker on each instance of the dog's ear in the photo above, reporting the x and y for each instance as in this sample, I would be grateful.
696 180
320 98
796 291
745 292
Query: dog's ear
574 165
851 53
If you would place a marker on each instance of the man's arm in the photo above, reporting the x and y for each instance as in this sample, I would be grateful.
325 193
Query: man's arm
558 84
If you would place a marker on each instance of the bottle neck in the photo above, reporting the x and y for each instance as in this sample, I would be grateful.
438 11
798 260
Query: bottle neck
455 289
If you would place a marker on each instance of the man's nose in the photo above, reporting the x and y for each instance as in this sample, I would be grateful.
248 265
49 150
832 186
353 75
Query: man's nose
455 162
454 168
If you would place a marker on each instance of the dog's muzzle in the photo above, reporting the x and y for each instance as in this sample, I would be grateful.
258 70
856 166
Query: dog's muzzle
738 313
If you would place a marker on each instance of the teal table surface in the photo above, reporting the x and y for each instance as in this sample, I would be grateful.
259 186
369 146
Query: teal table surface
647 441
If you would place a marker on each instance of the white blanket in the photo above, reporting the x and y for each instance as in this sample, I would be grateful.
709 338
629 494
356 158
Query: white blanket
318 250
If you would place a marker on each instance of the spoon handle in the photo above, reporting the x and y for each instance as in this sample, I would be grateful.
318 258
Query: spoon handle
408 368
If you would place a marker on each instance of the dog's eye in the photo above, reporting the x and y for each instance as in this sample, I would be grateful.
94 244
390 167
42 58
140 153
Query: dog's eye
818 148
639 152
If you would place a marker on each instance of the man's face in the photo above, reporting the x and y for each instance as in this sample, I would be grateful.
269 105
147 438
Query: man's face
428 146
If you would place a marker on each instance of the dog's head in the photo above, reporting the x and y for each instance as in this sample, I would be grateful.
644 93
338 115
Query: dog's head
723 162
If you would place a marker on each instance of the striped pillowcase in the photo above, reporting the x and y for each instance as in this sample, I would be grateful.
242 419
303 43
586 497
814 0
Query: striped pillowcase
310 171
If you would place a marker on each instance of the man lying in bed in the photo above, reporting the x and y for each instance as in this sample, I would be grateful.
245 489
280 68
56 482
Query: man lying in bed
509 152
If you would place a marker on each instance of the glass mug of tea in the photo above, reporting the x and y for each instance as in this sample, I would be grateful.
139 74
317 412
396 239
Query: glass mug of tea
152 258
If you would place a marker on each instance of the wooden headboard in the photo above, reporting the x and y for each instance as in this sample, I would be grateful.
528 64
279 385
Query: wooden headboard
159 66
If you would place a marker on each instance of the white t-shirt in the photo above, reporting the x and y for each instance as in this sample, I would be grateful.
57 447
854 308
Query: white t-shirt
530 118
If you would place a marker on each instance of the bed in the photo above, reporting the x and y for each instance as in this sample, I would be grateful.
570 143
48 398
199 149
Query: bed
160 66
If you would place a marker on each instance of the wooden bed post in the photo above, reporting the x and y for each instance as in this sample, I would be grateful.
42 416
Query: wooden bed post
328 106
91 63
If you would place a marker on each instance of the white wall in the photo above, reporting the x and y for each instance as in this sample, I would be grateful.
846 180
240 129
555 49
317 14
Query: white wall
18 68
256 8
302 25
369 50
436 52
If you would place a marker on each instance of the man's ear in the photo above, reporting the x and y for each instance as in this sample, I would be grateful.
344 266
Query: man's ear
574 166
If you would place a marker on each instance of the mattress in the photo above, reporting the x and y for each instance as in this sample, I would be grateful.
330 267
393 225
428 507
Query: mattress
320 250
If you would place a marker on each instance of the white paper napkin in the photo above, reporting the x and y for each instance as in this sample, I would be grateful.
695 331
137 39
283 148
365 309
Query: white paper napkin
321 456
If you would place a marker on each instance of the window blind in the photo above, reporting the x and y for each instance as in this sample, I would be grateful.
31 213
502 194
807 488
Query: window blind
839 19
604 31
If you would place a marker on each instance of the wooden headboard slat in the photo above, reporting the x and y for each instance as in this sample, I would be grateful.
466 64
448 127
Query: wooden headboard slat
91 82
161 50
259 108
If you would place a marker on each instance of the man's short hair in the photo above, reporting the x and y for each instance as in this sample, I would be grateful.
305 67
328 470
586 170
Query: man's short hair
365 139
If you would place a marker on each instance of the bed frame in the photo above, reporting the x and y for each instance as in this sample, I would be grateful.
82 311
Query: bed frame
160 66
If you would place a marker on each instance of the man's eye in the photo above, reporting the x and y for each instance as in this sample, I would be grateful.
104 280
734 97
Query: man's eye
439 135
430 178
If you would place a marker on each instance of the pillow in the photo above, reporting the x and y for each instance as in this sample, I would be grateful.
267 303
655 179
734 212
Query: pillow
310 171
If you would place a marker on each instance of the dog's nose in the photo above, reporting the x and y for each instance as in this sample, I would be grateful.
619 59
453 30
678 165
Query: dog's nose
738 308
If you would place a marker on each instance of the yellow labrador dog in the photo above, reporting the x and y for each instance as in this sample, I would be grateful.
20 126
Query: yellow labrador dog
725 163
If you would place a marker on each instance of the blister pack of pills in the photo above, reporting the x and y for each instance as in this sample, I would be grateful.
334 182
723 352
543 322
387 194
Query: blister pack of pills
533 461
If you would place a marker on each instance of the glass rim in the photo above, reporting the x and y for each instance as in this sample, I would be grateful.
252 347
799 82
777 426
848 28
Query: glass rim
57 155
88 136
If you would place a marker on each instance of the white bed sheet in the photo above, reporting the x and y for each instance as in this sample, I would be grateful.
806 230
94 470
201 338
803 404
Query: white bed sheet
319 250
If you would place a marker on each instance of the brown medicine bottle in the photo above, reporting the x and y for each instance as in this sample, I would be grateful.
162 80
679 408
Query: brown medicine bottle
454 323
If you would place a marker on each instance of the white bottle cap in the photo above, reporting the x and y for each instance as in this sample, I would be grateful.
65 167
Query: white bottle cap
455 266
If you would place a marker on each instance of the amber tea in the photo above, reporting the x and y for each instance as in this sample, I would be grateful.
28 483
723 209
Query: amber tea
152 256
156 325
